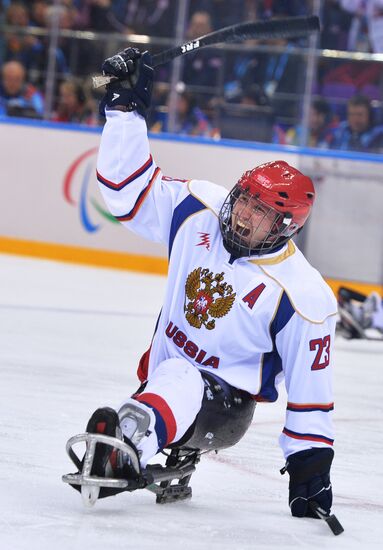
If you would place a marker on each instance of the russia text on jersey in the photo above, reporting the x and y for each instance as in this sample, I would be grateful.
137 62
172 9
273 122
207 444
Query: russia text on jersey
190 348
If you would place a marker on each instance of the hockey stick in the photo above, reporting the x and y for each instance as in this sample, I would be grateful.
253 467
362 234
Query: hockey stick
290 27
332 521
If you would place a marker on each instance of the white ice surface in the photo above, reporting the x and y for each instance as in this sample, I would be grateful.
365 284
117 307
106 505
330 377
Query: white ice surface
70 339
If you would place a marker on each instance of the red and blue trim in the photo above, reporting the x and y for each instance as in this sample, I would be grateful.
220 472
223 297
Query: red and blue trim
125 182
308 437
141 197
310 407
166 425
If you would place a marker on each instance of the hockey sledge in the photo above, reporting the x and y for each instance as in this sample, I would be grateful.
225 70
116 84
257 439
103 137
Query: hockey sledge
348 327
169 483
226 415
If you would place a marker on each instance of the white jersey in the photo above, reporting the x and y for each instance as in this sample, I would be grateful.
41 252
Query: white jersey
252 321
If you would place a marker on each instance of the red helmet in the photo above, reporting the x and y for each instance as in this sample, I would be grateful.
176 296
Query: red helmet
279 188
282 187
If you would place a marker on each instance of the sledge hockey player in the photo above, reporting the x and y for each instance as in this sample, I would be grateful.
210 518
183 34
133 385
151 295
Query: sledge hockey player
360 315
243 310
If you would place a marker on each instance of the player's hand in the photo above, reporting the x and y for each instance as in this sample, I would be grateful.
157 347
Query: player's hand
133 89
123 65
310 481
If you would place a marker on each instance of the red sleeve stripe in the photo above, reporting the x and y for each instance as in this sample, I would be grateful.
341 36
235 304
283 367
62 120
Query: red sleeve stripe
125 182
166 426
141 197
308 437
310 407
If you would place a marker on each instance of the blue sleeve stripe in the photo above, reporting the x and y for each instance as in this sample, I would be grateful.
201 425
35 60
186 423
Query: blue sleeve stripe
283 315
141 197
310 407
308 437
272 362
186 208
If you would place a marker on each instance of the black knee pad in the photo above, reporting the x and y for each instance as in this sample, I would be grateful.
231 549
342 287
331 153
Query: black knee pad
226 414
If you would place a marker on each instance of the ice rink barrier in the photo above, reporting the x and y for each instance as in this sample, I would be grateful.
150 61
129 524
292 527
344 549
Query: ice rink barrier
51 206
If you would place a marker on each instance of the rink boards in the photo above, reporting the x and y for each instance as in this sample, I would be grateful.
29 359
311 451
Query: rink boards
51 206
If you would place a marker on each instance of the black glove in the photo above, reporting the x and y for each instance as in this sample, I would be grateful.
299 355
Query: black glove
133 89
309 481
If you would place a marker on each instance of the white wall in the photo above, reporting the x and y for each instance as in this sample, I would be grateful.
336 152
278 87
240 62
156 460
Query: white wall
344 238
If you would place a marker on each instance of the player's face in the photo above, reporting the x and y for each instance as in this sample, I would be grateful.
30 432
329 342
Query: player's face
252 222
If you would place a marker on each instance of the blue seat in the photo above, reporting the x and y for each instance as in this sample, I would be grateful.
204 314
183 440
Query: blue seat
338 91
372 92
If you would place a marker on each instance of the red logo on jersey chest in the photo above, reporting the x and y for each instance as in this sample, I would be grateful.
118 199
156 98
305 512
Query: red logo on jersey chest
205 240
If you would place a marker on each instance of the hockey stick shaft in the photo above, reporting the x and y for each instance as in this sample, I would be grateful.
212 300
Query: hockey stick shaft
276 28
290 27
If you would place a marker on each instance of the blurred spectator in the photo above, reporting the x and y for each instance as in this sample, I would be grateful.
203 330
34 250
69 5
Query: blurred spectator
200 24
222 12
280 74
39 10
203 67
15 44
239 72
73 104
73 55
358 132
153 17
253 94
335 26
35 60
29 50
320 127
283 8
96 15
355 25
190 119
367 15
17 97
17 14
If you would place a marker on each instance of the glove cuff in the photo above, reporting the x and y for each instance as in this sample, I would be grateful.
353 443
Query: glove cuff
117 95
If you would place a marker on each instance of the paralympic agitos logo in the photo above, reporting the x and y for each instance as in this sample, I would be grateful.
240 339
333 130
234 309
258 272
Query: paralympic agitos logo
78 192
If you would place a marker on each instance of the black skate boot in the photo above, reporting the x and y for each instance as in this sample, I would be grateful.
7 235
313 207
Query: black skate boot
108 461
111 462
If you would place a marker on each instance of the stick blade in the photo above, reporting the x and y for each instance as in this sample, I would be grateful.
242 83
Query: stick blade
334 524
332 521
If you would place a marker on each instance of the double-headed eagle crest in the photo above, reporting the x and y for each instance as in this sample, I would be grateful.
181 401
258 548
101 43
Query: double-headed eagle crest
201 286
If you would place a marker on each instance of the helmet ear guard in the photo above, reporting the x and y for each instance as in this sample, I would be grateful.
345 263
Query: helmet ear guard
287 225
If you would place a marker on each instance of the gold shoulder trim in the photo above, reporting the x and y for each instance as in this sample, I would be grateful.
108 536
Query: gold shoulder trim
316 321
290 250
